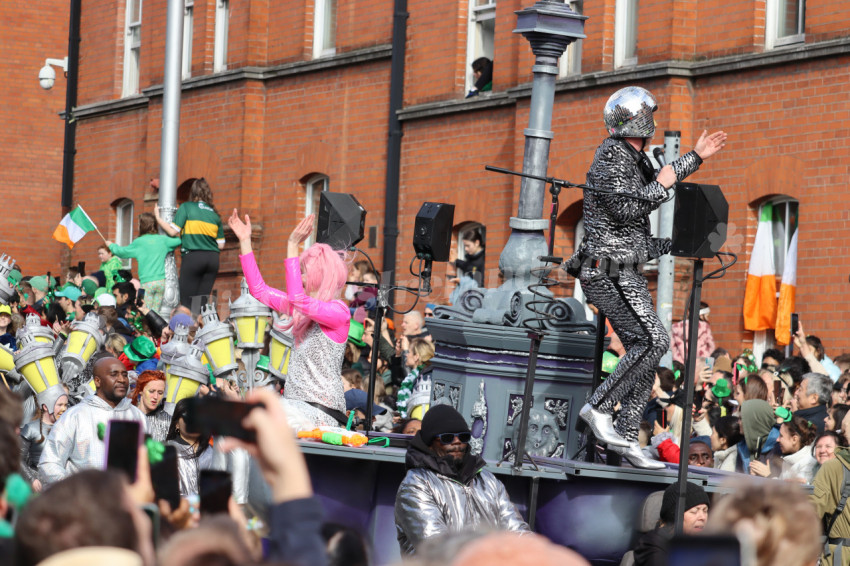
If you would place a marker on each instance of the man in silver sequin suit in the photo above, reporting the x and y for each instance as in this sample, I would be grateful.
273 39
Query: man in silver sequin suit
617 239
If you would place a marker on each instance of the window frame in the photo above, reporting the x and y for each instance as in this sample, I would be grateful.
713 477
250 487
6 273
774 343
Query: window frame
772 17
222 32
621 33
786 201
320 15
570 62
188 37
312 198
480 12
132 49
124 233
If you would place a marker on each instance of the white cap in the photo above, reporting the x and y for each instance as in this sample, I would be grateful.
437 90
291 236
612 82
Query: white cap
106 300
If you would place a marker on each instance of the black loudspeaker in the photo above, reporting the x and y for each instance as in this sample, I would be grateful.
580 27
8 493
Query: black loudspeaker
699 223
432 232
342 220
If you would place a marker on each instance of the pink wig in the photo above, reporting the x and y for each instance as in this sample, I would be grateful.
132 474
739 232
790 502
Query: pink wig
327 271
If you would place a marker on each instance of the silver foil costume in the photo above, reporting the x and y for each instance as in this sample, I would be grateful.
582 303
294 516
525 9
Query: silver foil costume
314 376
73 444
157 422
617 229
189 468
429 503
33 437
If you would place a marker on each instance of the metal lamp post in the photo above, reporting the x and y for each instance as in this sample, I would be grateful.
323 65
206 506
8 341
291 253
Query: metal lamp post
550 27
216 340
250 317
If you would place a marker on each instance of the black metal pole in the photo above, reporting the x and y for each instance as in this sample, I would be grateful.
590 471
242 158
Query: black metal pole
70 146
400 16
688 383
527 399
376 341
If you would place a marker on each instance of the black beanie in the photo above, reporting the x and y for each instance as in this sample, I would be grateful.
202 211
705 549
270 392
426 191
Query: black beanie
694 496
439 419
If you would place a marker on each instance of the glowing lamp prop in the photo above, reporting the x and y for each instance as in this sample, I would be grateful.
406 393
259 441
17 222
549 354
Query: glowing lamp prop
37 366
251 319
7 359
280 352
177 347
184 377
217 340
39 333
83 341
6 288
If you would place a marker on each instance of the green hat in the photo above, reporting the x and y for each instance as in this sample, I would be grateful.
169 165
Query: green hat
355 333
263 364
14 277
39 283
609 362
721 389
140 349
784 414
69 292
90 287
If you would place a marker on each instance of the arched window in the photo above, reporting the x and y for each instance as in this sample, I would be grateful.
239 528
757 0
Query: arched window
312 195
124 226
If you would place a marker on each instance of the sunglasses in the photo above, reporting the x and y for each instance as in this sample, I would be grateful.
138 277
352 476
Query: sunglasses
449 437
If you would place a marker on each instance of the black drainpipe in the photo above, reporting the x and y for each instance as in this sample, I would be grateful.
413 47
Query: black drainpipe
70 102
400 16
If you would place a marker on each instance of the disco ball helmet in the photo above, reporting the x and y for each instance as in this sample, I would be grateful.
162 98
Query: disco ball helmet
628 113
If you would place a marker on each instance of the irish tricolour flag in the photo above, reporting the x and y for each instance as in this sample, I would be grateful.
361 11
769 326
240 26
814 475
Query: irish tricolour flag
73 227
760 296
787 292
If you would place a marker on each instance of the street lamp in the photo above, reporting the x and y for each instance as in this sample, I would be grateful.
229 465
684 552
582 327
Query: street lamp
251 319
280 351
83 341
36 364
184 377
216 339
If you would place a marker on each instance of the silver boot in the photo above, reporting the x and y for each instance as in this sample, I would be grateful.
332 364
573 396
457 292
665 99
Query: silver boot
637 458
602 426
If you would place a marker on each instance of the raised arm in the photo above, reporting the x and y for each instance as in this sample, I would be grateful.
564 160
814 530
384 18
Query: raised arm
167 227
269 296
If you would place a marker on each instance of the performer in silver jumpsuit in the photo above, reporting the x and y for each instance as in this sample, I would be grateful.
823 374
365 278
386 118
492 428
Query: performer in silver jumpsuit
617 240
53 403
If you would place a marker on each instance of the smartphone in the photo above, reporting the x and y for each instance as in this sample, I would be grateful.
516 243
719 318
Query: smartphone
708 550
219 417
122 446
152 511
140 297
709 363
81 267
215 489
795 323
166 479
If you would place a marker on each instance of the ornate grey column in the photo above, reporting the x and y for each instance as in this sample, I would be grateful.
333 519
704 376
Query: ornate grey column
550 27
172 83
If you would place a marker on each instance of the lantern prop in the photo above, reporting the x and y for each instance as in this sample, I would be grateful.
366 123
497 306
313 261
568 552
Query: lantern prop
250 317
216 339
280 352
36 364
83 341
184 377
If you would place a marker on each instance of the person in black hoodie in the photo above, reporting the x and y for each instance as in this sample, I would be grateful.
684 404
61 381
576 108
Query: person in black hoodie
446 488
652 548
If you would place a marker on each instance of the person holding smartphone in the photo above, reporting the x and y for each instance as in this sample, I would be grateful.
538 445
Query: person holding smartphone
319 322
194 452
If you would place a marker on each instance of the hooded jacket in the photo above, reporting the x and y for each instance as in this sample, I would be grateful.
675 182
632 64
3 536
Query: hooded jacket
826 495
73 444
758 424
435 498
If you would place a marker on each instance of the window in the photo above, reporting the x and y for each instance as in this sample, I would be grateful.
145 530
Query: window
132 47
312 196
124 227
188 27
570 61
324 31
786 22
481 35
625 33
783 224
222 25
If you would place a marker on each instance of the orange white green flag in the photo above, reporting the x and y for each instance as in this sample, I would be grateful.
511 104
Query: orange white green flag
73 227
760 295
787 291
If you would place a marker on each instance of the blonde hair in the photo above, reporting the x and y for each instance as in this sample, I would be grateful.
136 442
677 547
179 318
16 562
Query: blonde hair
115 343
777 517
423 349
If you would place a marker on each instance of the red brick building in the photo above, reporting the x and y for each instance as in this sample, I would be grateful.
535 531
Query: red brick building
282 99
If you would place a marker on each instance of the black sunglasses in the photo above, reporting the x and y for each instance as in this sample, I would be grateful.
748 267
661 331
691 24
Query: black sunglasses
449 437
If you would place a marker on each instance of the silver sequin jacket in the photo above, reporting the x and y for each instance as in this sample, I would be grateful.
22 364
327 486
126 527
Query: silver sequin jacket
33 437
618 227
73 444
429 503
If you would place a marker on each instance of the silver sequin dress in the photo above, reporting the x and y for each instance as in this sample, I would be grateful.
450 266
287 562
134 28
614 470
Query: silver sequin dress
315 376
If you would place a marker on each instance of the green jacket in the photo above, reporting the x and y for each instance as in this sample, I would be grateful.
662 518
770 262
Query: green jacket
150 251
827 493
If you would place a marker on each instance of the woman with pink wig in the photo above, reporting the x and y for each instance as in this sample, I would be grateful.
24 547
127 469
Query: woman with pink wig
313 395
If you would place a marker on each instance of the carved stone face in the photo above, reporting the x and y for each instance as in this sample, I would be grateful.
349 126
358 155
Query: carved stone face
542 438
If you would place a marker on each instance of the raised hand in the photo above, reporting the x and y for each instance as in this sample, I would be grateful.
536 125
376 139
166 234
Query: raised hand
242 230
303 230
708 145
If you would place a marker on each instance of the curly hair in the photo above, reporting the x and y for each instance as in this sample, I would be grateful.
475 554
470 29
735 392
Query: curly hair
144 380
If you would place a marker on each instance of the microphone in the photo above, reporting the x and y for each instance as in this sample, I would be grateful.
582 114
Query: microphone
659 156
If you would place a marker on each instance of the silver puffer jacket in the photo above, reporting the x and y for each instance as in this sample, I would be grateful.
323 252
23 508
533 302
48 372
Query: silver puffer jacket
434 499
617 227
33 437
73 444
